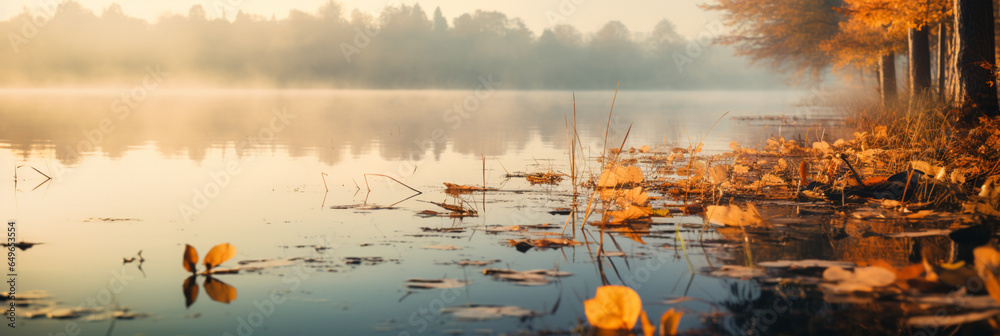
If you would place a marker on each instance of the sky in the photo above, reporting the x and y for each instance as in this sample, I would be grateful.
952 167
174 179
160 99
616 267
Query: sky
585 15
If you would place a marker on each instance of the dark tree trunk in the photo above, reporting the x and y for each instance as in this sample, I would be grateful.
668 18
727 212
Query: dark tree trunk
887 77
919 62
975 59
942 54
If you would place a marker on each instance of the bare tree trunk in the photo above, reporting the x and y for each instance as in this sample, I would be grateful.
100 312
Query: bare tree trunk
976 59
919 62
887 77
942 55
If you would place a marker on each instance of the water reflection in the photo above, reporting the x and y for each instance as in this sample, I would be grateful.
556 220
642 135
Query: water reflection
133 174
399 125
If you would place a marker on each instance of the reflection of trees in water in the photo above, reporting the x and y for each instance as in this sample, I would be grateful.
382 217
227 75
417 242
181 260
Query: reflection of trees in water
400 125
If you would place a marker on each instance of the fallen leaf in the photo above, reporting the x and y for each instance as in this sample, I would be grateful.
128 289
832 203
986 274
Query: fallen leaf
647 328
218 255
822 147
526 278
627 214
442 247
987 261
805 263
920 214
467 262
669 322
613 307
862 279
190 259
545 242
619 175
738 272
719 173
435 283
740 169
544 178
732 215
483 312
451 188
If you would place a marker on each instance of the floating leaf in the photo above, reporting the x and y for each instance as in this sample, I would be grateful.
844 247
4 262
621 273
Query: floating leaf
719 173
483 313
554 242
863 279
526 278
739 272
442 247
734 216
805 263
219 291
190 259
647 328
190 290
619 175
628 213
669 322
613 307
435 283
218 255
455 189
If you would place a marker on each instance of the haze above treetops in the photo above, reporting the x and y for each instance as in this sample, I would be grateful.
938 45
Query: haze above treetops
402 47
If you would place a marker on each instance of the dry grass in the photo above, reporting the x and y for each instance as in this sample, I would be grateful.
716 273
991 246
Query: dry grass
904 132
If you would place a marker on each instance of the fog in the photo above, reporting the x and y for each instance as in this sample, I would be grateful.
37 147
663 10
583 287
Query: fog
403 47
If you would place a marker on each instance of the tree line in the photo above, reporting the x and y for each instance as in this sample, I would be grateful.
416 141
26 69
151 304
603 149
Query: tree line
401 47
810 36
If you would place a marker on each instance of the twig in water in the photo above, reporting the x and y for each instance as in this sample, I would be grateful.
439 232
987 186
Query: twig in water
391 178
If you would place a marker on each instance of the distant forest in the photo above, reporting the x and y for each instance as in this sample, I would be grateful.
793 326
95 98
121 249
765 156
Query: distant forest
402 47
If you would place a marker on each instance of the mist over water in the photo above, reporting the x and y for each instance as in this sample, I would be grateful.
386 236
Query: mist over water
404 46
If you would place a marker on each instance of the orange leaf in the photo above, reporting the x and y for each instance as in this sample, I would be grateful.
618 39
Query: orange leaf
219 254
987 262
613 307
647 328
190 259
909 272
669 322
190 290
219 291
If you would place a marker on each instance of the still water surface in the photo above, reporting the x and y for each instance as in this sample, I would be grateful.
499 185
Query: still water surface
249 168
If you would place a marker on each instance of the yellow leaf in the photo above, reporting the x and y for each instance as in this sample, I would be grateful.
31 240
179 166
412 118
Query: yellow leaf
219 291
190 258
647 328
218 255
987 260
619 175
613 307
669 322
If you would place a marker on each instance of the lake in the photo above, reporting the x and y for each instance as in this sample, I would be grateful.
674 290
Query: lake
282 175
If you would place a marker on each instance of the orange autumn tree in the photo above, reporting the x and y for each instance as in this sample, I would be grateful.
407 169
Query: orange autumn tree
788 33
858 45
909 17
